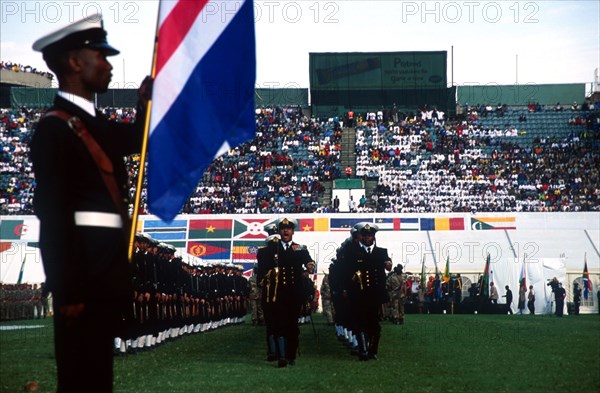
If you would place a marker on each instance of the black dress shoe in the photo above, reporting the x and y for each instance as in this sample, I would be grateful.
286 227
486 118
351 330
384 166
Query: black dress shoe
282 363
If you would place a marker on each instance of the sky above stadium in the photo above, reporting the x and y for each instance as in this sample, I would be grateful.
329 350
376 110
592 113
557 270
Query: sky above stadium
495 42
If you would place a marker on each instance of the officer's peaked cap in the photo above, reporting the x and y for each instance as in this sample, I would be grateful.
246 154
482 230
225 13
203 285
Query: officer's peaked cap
85 33
286 223
368 228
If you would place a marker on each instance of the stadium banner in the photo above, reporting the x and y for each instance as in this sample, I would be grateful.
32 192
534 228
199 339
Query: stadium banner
549 244
378 70
230 237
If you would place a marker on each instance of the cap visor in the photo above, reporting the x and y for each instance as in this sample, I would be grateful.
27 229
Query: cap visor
107 49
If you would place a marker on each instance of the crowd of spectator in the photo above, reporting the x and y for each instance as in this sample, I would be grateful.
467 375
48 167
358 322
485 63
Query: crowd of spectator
281 170
16 173
424 162
16 67
463 165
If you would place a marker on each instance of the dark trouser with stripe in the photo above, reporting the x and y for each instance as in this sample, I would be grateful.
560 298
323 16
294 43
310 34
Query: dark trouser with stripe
282 321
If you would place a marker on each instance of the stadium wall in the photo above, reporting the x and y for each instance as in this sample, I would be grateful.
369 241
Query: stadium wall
522 95
30 79
544 245
14 96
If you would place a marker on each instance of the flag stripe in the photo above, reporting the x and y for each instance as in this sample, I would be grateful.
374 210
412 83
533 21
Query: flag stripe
495 219
167 235
161 224
457 224
175 27
442 224
202 35
165 9
321 224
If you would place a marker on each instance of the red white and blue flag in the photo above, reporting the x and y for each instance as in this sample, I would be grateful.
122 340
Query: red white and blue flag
587 283
203 94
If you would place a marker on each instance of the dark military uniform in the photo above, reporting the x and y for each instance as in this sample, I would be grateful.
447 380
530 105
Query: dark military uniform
83 232
279 271
365 279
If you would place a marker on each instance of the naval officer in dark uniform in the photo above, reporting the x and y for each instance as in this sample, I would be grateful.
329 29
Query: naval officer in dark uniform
82 209
279 270
365 279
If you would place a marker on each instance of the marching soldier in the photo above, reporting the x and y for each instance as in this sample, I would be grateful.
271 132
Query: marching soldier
279 271
366 289
339 282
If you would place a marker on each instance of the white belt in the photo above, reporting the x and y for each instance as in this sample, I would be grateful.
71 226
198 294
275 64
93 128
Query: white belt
98 219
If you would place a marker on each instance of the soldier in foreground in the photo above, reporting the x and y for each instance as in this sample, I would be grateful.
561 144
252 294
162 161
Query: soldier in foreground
80 200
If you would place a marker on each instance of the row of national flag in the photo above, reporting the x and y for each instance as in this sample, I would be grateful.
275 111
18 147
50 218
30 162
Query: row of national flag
254 228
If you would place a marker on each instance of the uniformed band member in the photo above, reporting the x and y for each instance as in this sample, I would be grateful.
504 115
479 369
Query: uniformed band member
279 270
363 279
83 222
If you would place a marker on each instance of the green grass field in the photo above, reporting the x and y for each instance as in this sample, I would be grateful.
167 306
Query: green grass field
430 353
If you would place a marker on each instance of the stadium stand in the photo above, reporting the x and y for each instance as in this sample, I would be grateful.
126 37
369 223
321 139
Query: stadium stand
17 67
503 160
483 163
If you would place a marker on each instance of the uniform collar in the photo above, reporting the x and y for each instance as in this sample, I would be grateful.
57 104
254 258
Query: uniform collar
87 106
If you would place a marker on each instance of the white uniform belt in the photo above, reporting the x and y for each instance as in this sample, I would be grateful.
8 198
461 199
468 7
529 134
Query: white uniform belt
98 219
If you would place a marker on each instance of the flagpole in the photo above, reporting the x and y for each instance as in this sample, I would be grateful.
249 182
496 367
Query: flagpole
140 179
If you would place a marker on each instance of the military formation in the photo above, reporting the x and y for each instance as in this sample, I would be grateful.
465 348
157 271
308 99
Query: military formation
23 301
172 298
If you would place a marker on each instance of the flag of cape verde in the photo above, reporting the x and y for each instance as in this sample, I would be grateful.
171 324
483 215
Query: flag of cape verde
203 94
